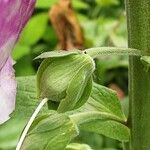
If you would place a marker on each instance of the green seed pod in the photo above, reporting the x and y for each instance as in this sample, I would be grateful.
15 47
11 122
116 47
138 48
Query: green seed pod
65 78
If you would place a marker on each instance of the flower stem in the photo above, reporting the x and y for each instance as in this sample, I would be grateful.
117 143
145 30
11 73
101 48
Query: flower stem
30 123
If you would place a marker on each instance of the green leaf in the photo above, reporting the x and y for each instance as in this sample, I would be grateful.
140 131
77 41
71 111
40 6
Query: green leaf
10 132
103 103
109 128
79 4
77 146
105 3
34 30
24 66
27 100
102 114
20 51
50 132
50 37
105 100
26 104
45 4
101 123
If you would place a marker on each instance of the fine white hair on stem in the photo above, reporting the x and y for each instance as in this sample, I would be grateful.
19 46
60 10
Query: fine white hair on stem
30 123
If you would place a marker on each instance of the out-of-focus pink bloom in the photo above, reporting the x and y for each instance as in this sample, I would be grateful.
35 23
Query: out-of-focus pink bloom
13 16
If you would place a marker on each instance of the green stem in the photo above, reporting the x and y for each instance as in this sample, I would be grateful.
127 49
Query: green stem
138 17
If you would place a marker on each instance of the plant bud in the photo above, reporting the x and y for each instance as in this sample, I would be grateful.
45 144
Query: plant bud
66 79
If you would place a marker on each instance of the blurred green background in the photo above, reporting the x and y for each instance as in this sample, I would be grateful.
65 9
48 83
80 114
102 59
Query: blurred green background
104 24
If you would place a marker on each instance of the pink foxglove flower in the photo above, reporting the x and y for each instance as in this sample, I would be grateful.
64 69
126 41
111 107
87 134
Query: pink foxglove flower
13 16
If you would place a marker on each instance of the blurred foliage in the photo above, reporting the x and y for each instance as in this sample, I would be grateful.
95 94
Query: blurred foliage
103 23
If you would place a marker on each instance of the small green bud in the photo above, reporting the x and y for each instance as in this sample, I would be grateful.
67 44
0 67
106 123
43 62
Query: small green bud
66 79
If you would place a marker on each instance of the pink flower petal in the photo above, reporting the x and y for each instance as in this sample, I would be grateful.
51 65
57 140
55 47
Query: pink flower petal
13 16
7 91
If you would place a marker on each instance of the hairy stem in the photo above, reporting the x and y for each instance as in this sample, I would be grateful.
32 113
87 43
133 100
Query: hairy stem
138 17
30 123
